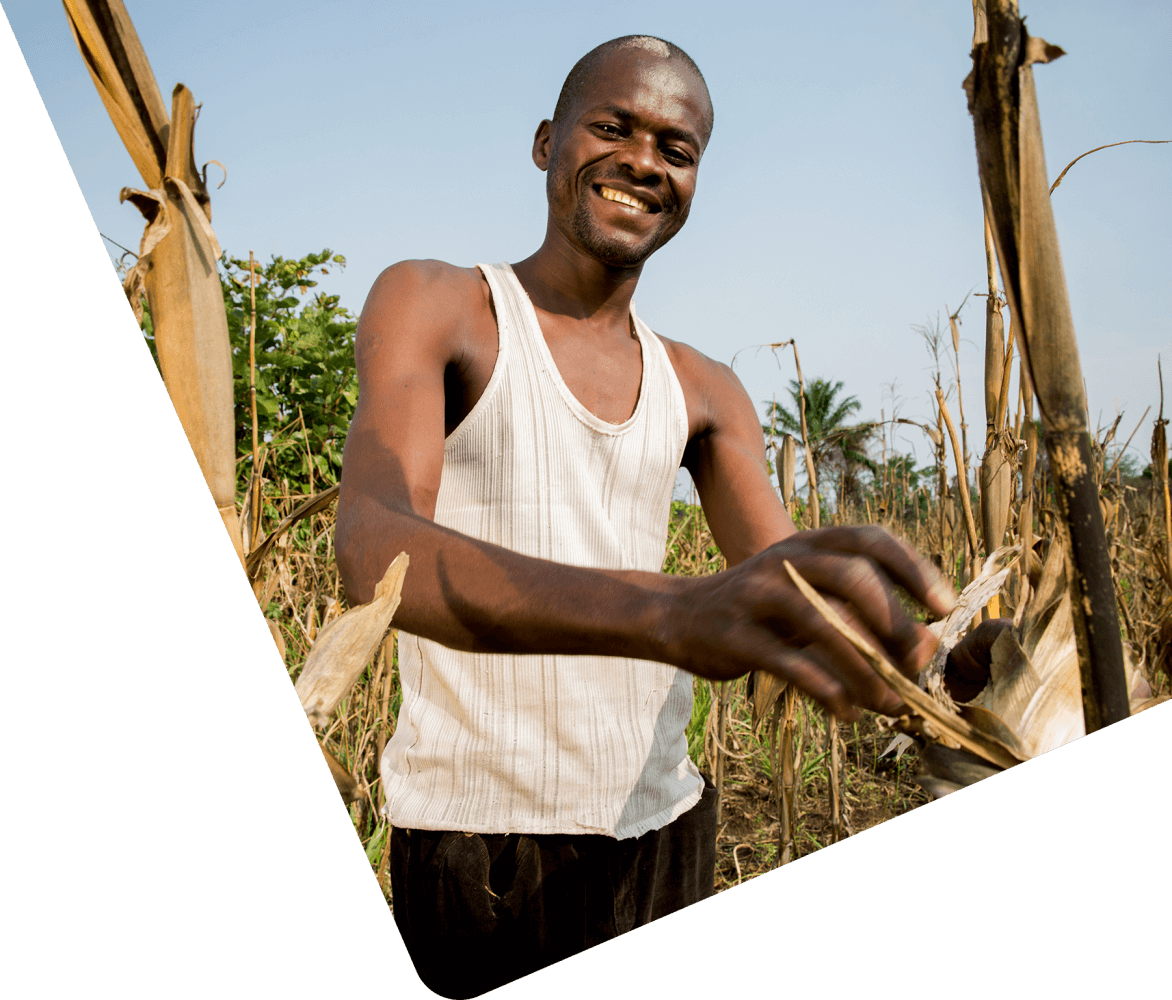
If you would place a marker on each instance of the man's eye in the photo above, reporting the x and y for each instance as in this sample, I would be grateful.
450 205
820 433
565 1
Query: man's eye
677 156
608 129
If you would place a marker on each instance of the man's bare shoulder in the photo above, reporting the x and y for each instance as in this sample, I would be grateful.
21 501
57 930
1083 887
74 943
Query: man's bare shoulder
433 291
710 387
424 312
690 362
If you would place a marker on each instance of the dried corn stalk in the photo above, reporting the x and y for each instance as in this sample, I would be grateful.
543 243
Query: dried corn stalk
813 514
996 464
785 787
962 484
763 688
954 327
1160 489
1025 516
1017 202
813 508
176 266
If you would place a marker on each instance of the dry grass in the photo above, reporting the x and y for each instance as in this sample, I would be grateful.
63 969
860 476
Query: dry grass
874 789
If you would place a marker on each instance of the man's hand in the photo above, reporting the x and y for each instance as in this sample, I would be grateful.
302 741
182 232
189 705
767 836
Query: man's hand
751 617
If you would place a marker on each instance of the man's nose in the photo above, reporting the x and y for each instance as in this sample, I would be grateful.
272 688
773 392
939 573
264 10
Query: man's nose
641 157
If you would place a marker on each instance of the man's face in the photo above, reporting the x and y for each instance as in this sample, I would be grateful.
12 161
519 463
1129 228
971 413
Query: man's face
622 165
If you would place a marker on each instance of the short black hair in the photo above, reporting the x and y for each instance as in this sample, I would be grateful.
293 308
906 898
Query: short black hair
585 67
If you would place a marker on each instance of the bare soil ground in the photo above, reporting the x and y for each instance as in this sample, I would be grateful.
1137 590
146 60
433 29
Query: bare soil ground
875 790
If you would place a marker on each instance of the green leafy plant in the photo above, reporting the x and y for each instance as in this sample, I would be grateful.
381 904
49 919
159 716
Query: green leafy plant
306 383
701 706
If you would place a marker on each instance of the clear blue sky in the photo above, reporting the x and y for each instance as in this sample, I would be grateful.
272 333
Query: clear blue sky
837 202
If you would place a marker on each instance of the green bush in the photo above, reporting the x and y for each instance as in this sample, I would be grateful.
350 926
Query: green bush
306 383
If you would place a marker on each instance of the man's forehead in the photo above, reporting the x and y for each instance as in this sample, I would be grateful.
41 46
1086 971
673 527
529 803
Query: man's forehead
636 79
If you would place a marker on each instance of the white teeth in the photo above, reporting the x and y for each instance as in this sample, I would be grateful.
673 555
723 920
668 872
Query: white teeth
610 194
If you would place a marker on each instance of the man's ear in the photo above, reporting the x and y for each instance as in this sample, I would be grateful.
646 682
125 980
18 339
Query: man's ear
541 141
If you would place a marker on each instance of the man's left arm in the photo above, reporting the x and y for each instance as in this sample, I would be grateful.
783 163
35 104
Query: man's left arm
725 456
858 569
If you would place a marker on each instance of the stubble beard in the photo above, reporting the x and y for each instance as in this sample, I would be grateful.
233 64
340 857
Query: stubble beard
602 245
612 251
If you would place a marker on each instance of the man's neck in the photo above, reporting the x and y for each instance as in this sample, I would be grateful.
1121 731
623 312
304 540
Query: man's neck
563 280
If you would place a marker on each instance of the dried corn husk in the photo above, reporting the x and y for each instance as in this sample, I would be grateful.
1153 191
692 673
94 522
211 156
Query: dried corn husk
763 690
930 718
346 645
1033 702
975 596
983 589
176 267
1034 689
346 782
787 463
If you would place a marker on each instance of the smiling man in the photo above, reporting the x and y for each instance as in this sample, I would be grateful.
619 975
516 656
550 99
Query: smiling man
518 433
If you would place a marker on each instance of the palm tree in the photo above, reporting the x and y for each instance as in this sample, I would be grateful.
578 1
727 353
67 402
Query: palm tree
835 446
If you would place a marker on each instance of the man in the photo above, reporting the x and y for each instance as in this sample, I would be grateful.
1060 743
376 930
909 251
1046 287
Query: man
518 434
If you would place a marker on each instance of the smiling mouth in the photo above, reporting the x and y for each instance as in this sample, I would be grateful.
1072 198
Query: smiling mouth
610 194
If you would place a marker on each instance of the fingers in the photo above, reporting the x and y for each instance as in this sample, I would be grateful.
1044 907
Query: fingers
818 674
825 657
972 656
897 559
916 651
803 669
864 687
965 667
875 610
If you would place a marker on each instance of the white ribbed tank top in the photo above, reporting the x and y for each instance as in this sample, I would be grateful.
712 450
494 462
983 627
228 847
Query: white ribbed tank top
505 743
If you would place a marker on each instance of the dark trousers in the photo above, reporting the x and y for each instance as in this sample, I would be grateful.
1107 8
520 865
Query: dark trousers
478 911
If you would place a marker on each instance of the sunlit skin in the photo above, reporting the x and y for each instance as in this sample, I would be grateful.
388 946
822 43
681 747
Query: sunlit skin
426 348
